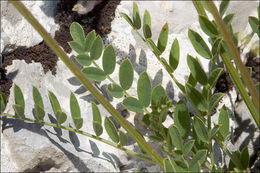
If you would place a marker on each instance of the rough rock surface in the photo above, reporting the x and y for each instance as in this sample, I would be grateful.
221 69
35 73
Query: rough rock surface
30 147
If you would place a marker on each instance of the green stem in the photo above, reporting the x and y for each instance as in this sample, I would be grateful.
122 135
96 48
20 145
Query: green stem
236 56
86 82
82 133
199 8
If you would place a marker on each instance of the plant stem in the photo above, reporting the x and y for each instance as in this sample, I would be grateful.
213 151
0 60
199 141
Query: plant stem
82 133
199 8
86 82
236 56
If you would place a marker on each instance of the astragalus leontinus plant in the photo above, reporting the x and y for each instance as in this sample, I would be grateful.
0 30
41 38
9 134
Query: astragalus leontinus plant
187 144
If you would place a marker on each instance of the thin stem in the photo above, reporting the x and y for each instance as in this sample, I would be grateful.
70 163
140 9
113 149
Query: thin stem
235 54
82 133
199 8
86 82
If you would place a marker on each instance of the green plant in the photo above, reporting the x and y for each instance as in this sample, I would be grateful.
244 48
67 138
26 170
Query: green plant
182 152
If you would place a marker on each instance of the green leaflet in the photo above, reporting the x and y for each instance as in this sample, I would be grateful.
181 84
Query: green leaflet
54 102
61 117
97 48
77 33
215 47
75 111
166 65
109 60
83 59
223 120
18 96
147 25
3 102
196 70
200 157
127 18
167 166
200 129
214 75
175 137
89 41
19 110
223 7
98 129
136 16
111 130
228 18
196 98
199 44
76 47
94 73
179 165
37 98
174 54
133 104
154 48
40 113
214 131
254 23
163 38
126 74
187 147
144 89
157 93
96 113
214 99
191 80
207 26
115 90
244 158
182 119
123 139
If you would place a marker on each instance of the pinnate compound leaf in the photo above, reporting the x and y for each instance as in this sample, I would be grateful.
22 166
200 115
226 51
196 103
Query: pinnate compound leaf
244 158
207 26
200 157
147 25
18 96
123 139
40 113
144 89
254 23
109 60
200 129
115 90
196 70
214 99
54 102
61 117
89 40
223 7
214 75
111 130
3 102
83 59
98 129
127 18
37 98
223 120
97 48
196 98
166 65
199 44
175 137
174 54
167 165
76 47
133 104
94 73
157 93
182 119
228 18
77 33
126 74
96 113
187 147
163 38
19 110
136 16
